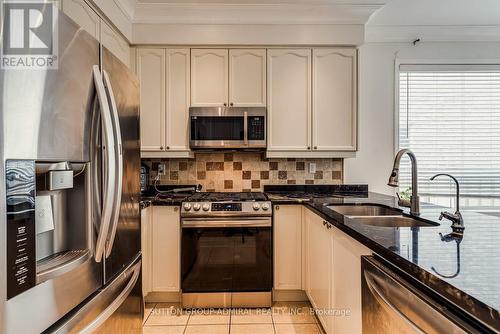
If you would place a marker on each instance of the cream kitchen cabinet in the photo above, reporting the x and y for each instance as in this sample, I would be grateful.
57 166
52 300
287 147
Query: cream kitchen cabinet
151 73
146 249
234 77
164 75
80 12
333 270
334 100
209 77
289 100
177 101
312 102
319 266
346 291
287 233
165 250
115 43
247 77
87 18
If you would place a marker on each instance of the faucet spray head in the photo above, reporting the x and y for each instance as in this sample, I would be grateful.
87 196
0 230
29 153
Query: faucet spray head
394 178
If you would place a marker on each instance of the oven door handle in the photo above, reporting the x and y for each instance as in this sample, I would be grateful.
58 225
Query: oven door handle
218 223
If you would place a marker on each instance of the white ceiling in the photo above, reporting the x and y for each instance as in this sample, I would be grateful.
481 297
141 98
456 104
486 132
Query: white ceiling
438 13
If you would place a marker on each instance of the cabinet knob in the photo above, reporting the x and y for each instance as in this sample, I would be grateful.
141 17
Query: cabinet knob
308 147
225 104
315 147
161 148
176 209
231 104
277 207
168 147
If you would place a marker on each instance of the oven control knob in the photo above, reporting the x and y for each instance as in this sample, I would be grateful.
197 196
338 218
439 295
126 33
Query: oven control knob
256 206
206 207
187 206
265 206
197 207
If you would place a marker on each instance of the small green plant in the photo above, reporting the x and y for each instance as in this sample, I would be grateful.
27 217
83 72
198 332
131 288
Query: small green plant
406 194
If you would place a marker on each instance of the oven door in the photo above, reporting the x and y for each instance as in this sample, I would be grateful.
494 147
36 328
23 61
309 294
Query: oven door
226 255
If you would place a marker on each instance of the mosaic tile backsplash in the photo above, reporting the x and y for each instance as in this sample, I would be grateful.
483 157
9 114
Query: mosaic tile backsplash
244 171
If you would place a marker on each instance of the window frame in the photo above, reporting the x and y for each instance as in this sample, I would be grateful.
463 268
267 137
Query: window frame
438 62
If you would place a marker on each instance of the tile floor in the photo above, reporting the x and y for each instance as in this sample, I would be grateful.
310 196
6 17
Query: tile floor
282 318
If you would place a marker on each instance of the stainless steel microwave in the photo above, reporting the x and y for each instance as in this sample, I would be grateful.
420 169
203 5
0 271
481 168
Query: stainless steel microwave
227 127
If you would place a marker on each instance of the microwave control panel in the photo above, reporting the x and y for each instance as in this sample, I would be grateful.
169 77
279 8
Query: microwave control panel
21 233
256 127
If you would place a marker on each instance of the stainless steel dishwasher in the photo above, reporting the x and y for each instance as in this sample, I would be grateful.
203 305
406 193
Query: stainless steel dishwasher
393 305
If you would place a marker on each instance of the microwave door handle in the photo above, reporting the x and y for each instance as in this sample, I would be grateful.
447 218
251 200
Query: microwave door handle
119 164
109 153
245 128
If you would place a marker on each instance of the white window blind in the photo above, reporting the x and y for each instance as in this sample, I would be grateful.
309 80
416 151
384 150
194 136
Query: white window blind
449 116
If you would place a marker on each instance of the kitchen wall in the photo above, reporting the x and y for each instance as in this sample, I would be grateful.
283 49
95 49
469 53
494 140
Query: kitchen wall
244 171
376 127
449 31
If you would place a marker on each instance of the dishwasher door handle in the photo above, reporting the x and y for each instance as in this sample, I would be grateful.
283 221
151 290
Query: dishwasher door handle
384 300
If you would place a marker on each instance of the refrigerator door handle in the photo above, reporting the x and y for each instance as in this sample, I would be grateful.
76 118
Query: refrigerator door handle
119 164
109 157
101 318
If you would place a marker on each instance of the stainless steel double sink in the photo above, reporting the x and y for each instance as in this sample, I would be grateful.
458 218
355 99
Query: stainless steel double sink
377 215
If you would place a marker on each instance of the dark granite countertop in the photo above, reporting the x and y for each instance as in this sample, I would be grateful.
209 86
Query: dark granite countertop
470 280
150 197
467 274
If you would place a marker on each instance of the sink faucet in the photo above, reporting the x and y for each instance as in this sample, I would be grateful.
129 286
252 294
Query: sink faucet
414 202
456 218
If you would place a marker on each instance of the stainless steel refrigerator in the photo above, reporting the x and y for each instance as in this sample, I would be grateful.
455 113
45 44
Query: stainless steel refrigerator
70 257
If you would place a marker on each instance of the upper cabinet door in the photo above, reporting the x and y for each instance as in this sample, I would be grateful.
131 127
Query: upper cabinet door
334 99
115 43
247 77
289 99
83 15
209 77
177 99
151 74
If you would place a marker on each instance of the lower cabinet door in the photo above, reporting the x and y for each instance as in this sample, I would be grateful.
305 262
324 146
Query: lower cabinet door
166 249
319 267
346 291
287 247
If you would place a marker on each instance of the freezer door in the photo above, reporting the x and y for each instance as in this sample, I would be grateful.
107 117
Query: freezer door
117 308
124 236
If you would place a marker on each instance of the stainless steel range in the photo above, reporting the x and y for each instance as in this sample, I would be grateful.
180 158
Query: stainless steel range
226 250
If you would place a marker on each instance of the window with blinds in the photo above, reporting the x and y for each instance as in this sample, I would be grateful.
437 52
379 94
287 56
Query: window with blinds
449 116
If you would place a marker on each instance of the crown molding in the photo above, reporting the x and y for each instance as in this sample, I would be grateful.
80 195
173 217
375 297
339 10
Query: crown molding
248 35
432 33
127 7
241 13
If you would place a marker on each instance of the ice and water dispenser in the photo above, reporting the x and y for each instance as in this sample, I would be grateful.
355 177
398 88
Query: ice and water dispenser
49 230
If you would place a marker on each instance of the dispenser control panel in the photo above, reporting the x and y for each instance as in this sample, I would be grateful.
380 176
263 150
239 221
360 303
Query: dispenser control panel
21 234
